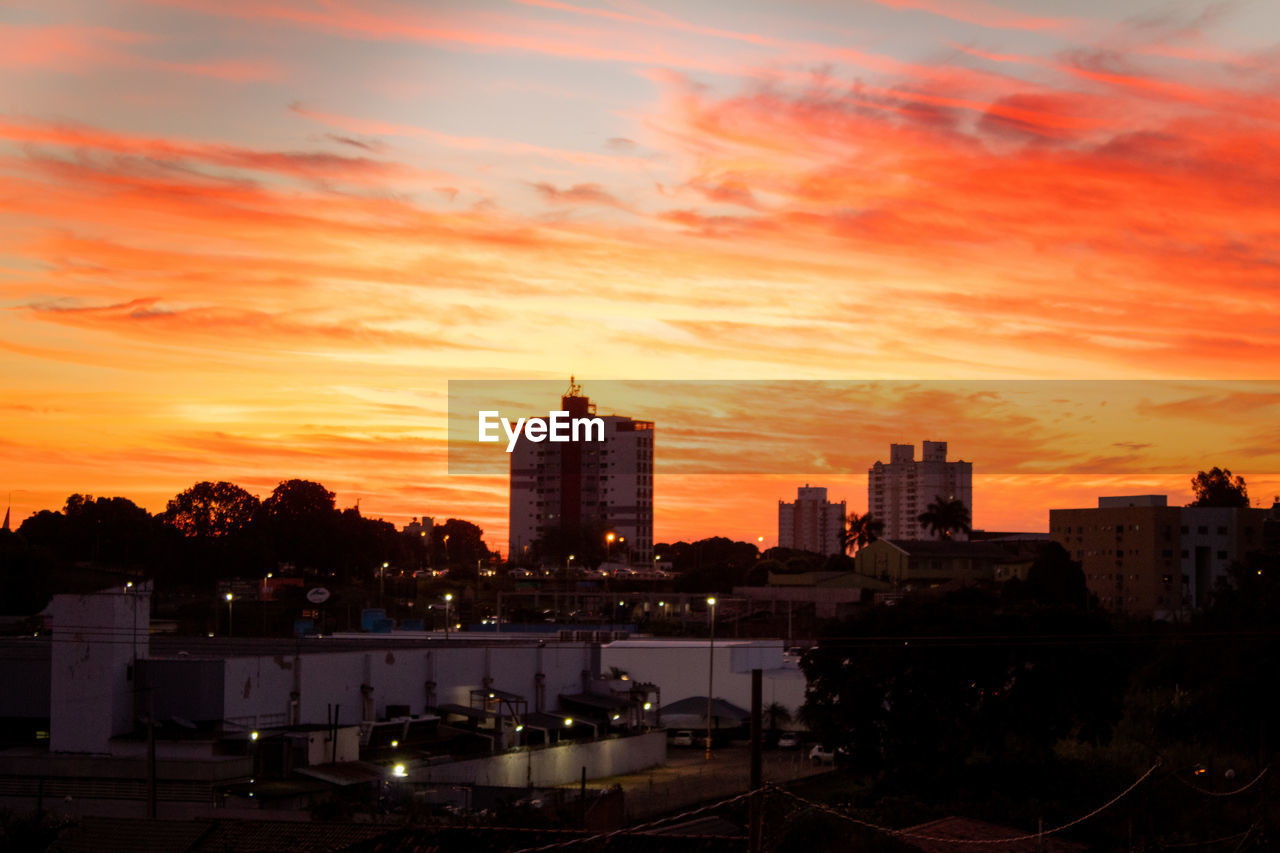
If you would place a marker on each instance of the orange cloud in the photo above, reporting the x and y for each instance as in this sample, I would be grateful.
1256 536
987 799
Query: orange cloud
80 48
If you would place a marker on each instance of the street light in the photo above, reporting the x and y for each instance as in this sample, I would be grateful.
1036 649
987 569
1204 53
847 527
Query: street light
230 623
711 667
448 596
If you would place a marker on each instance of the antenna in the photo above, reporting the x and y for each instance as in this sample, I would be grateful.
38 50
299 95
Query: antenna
575 390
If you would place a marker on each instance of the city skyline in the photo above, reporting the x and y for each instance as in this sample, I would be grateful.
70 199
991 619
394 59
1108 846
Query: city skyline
251 243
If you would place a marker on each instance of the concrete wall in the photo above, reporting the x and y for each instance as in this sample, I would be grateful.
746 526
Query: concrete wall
552 765
190 689
256 690
679 668
96 641
262 684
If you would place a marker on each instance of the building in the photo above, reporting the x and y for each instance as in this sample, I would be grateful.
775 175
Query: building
113 719
601 486
899 491
812 523
923 564
1147 559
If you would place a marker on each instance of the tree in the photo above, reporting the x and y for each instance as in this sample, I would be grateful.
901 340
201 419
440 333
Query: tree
299 500
861 531
946 516
1054 579
968 678
300 520
777 716
459 545
209 510
1216 488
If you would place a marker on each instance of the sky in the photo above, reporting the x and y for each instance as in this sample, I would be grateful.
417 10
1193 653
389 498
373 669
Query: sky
254 241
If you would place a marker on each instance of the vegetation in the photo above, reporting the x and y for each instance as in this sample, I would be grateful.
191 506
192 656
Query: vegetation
946 517
1217 488
860 531
218 530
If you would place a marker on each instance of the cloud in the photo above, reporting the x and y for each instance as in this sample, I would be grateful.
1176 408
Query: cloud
81 49
576 194
213 326
310 165
983 14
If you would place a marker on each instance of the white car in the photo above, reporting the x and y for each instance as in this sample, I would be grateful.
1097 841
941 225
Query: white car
788 740
822 755
684 737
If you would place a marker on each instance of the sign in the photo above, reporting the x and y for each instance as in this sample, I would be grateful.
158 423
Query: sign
319 595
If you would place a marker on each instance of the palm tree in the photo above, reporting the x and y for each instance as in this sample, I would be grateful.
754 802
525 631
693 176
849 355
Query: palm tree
861 531
777 715
946 516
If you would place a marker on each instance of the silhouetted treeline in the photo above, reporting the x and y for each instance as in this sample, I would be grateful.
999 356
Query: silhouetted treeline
220 530
1028 703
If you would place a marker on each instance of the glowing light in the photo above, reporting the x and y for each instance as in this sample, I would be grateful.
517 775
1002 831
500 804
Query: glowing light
399 771
253 735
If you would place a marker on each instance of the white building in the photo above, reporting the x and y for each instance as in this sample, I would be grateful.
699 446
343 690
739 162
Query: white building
586 485
812 523
898 492
681 669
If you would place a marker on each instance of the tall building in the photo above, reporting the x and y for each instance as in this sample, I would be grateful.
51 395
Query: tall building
898 492
602 486
812 523
1145 558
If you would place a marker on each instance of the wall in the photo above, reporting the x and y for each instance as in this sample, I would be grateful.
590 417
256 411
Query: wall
553 765
256 690
96 641
679 668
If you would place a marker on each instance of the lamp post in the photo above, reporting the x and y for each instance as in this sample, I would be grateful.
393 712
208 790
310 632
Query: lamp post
448 596
382 584
230 623
711 667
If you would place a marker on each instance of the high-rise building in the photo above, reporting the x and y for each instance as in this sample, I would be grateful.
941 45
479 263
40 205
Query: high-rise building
1142 557
812 523
898 492
585 487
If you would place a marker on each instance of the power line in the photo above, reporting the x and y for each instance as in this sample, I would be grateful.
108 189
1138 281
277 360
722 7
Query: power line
641 827
1239 790
903 833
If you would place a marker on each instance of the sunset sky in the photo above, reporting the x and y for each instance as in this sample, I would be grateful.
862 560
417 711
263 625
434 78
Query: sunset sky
253 239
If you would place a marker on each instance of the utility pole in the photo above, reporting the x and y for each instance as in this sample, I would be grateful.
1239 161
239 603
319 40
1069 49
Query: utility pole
757 798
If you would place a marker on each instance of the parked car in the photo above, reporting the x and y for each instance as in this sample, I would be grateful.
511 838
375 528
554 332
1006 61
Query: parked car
788 740
824 755
683 737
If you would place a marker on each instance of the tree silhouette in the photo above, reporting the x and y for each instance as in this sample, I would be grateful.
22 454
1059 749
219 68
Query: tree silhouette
777 716
946 516
860 531
1216 488
208 510
301 522
299 500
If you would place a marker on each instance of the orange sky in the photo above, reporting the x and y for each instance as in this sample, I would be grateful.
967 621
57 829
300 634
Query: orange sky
253 241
